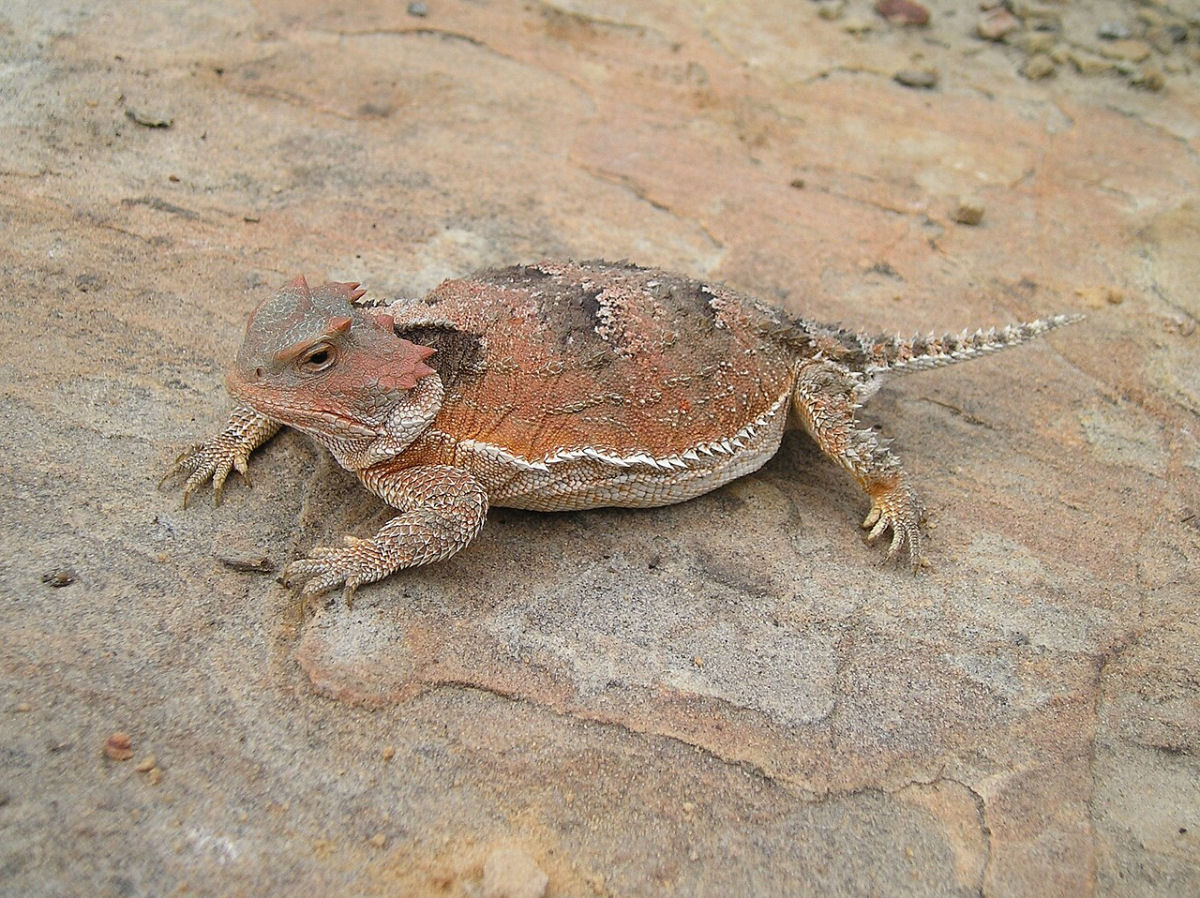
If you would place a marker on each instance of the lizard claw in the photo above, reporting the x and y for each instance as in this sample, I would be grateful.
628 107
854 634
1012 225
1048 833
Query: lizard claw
327 567
214 461
897 508
228 451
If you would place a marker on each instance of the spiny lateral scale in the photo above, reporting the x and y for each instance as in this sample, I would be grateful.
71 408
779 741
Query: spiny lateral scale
553 387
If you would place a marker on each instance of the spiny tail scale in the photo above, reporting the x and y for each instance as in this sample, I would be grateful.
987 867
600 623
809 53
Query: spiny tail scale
903 354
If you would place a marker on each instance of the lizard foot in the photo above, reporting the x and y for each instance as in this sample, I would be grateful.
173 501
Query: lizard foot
897 507
359 561
214 460
228 451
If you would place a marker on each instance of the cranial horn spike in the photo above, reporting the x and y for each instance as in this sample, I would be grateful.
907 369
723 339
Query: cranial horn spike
297 283
339 325
351 288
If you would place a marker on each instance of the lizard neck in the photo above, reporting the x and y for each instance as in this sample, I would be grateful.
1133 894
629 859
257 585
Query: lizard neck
402 424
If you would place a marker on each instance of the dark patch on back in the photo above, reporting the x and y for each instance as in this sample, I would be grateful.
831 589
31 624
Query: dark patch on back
582 315
698 295
521 277
457 353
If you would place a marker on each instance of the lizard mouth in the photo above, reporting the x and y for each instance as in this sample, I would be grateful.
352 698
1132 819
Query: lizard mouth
304 415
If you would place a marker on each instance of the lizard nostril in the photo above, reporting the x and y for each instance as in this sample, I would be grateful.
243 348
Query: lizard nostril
258 373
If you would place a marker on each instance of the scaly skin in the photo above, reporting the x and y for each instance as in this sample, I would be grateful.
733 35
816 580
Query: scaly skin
554 387
226 452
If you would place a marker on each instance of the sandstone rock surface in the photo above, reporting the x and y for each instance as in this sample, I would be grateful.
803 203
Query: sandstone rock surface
726 697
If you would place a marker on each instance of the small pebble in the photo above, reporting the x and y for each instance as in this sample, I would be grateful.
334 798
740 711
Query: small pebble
154 776
24 707
1087 64
1040 19
118 747
378 840
420 10
969 210
1038 66
1129 50
1150 78
997 25
1032 42
146 764
1177 324
1161 40
1096 297
829 10
1149 17
923 78
1112 31
902 12
857 25
388 752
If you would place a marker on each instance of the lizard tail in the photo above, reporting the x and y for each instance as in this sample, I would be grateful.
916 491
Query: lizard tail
900 355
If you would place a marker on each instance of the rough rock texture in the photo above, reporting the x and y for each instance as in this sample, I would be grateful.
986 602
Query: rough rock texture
728 696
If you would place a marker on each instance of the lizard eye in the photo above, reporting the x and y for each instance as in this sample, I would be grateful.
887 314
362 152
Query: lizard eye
318 358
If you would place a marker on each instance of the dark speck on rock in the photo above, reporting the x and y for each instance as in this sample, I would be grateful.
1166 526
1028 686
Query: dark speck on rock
60 577
923 78
87 283
149 119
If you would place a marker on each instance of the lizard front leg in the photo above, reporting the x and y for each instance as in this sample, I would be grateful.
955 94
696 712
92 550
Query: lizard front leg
228 451
442 508
825 397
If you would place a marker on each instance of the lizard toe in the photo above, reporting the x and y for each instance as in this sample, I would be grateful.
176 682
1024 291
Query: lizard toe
328 567
897 508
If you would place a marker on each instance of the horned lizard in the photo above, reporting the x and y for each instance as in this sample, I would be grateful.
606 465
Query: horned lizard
553 387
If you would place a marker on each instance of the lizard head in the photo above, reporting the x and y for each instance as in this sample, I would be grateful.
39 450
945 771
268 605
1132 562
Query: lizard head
317 361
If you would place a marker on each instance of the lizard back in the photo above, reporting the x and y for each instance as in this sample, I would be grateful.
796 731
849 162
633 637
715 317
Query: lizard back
546 360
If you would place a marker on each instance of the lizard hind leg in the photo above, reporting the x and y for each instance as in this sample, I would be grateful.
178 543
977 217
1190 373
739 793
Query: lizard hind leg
825 398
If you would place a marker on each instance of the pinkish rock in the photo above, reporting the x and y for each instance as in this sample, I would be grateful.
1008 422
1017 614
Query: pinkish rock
902 12
997 25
